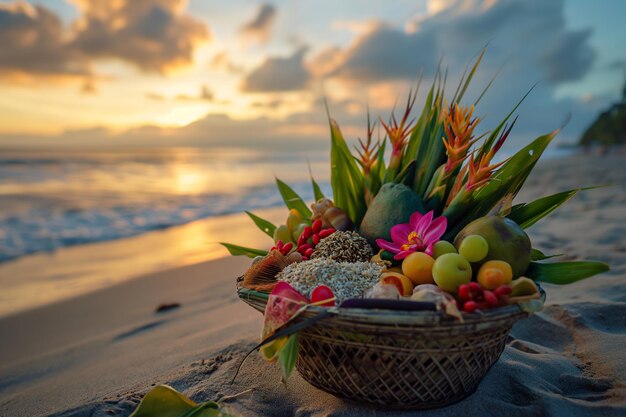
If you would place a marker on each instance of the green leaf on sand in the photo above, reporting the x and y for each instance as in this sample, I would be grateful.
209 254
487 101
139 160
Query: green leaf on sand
237 250
528 214
265 226
562 273
288 355
292 199
165 401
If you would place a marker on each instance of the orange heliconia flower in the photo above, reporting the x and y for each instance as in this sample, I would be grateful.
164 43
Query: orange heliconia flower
459 127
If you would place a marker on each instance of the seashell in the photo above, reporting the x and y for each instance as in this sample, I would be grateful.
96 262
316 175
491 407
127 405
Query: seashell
338 219
261 276
330 215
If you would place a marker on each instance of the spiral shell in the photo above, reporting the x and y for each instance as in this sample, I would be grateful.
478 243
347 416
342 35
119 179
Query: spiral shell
331 216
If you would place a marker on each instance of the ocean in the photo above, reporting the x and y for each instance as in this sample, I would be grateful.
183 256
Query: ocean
54 199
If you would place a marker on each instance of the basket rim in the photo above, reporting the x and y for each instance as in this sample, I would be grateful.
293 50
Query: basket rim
393 317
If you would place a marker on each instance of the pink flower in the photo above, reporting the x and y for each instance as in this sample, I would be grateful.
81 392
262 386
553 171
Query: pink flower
419 235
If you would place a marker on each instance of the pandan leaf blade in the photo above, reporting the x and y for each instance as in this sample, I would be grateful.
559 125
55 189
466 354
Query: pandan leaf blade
292 199
237 250
265 226
288 355
562 273
537 255
528 214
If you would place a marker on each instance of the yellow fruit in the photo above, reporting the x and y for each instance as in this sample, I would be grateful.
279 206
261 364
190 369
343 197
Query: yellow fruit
494 274
402 282
418 266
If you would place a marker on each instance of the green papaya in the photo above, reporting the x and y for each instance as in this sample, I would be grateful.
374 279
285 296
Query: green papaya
393 205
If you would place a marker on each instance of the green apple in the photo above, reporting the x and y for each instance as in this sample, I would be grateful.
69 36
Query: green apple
450 271
474 248
442 247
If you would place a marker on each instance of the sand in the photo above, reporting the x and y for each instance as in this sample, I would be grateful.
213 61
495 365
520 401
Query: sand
97 354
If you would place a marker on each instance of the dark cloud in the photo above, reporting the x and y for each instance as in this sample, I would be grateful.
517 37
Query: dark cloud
33 43
524 33
152 35
279 74
260 27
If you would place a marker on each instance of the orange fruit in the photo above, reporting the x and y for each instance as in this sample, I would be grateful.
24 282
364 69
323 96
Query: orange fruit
418 266
493 274
402 282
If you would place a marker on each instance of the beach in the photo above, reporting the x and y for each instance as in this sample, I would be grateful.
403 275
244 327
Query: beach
98 353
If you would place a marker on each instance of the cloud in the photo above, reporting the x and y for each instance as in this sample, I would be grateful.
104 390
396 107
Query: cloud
222 61
33 43
152 35
279 74
529 39
205 94
260 27
525 33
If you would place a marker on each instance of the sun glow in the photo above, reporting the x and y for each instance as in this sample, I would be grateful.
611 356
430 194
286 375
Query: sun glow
183 115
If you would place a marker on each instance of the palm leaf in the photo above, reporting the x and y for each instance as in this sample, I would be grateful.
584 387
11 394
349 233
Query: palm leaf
237 250
562 273
292 199
266 226
528 214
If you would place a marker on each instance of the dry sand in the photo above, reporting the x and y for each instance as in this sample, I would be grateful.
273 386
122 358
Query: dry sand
96 355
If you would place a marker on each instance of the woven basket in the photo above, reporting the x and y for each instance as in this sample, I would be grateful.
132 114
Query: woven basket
410 360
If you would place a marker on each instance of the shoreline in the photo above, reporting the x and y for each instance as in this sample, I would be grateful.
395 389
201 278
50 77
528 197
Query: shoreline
97 354
40 279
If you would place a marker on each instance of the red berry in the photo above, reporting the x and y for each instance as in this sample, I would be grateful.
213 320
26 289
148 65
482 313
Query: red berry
475 287
303 248
316 239
306 232
470 306
317 226
464 292
502 291
491 299
287 248
322 293
308 252
279 244
326 232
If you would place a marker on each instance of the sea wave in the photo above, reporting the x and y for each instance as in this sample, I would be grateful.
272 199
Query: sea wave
45 229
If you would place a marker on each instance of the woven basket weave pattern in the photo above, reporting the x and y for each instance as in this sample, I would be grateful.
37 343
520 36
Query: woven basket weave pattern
406 368
398 359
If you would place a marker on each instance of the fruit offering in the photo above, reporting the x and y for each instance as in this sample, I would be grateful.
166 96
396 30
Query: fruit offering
418 266
494 274
451 271
442 247
474 248
402 282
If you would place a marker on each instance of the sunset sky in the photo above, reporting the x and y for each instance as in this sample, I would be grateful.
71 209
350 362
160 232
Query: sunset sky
247 73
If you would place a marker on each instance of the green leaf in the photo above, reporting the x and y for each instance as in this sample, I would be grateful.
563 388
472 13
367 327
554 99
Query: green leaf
292 199
317 191
288 355
237 250
537 255
528 214
165 401
562 273
266 227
